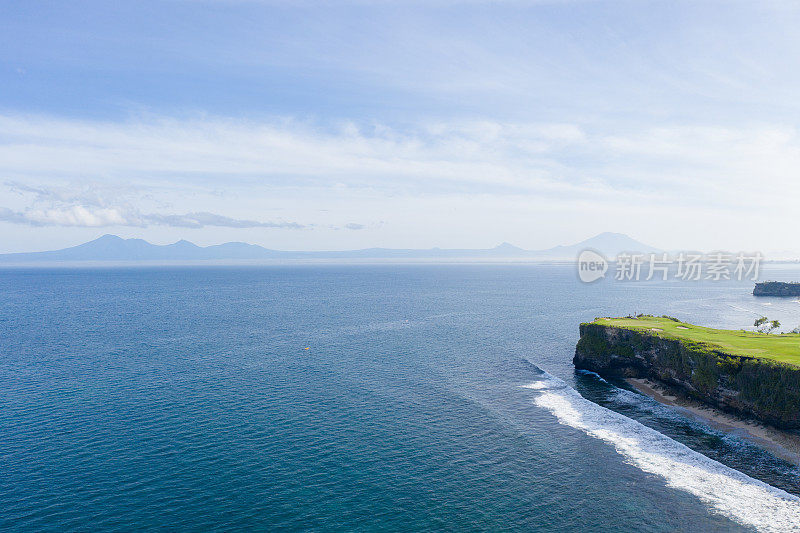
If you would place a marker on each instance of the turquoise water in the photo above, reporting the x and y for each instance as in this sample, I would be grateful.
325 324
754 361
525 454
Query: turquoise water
431 398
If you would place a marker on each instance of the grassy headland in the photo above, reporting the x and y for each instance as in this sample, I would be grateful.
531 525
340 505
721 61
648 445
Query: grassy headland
754 374
784 348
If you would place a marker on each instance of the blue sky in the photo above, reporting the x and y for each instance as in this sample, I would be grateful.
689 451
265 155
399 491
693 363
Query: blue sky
335 125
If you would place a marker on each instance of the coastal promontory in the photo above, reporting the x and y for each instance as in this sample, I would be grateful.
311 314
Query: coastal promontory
745 372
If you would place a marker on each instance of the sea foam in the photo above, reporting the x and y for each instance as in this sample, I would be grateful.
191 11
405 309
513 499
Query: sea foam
726 491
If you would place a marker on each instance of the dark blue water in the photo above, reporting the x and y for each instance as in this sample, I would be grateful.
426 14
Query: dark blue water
185 399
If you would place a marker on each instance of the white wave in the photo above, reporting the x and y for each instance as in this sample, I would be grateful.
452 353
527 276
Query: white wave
727 491
545 384
739 308
590 373
536 385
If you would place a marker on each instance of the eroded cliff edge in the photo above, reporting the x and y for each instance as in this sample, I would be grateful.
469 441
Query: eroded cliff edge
764 389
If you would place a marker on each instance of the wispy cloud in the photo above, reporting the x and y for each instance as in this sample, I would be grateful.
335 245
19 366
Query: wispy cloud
287 152
94 205
458 157
199 220
102 174
73 216
100 217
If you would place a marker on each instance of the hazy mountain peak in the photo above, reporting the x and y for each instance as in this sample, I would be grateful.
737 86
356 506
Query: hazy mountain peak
608 243
114 248
609 237
183 243
108 237
506 246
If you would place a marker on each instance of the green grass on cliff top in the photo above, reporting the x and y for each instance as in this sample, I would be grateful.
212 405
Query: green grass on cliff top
778 347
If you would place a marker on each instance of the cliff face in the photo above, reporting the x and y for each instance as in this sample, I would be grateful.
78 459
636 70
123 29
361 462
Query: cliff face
767 390
776 288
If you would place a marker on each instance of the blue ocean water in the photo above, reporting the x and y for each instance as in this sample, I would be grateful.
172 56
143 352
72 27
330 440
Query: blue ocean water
357 398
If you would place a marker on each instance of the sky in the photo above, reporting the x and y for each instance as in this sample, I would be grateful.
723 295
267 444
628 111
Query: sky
460 124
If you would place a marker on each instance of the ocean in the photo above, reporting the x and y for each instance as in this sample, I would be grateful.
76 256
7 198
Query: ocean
358 398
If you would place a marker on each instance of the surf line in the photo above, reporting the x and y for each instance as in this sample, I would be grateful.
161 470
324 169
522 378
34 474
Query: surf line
724 490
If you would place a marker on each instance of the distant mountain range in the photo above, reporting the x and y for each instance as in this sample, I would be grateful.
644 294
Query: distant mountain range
111 248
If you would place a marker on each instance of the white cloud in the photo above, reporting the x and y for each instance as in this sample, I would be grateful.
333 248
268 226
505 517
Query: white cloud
101 217
75 216
167 172
282 151
556 160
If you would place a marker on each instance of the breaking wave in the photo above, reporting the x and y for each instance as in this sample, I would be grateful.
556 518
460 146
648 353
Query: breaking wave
726 491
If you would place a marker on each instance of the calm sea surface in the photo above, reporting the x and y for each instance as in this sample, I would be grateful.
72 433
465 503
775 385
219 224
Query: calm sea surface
357 398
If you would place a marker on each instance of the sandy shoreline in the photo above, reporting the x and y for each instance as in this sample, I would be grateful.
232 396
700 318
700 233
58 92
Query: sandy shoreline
780 443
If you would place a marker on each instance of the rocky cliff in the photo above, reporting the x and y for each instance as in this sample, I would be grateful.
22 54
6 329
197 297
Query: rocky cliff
766 390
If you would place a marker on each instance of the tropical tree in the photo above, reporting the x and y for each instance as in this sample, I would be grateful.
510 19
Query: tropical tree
766 325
